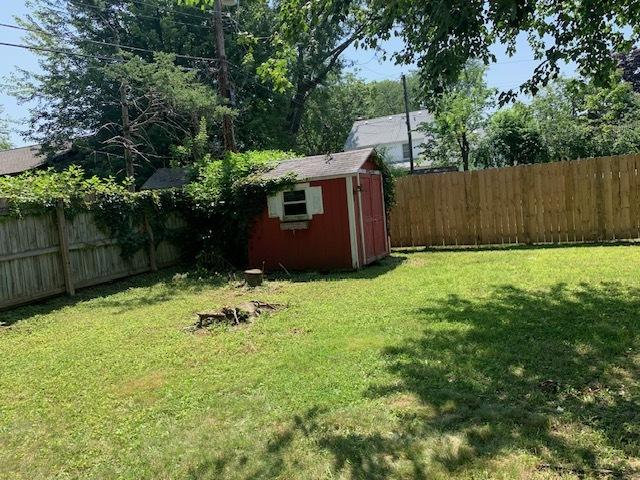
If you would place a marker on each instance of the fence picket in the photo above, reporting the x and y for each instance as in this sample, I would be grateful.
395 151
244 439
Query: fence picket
583 200
47 254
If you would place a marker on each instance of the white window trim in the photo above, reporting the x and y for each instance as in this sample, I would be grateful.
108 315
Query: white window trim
313 200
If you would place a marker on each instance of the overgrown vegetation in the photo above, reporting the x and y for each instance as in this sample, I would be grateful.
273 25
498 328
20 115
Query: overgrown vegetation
225 197
219 204
462 365
39 189
116 210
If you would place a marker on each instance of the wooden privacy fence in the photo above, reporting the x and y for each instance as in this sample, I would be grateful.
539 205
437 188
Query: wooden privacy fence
48 254
596 199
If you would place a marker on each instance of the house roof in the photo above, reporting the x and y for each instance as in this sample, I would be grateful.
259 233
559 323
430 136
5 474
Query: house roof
21 159
384 130
322 166
166 178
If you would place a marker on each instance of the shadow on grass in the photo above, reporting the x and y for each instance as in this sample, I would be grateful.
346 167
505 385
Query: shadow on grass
374 270
165 289
544 371
553 373
161 285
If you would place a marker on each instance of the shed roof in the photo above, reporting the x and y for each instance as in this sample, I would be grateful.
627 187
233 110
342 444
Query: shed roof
166 178
322 166
21 159
373 132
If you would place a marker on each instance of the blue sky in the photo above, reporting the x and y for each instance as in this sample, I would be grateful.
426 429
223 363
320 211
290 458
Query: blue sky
507 73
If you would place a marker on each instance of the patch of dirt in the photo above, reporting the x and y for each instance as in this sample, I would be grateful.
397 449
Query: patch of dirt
243 313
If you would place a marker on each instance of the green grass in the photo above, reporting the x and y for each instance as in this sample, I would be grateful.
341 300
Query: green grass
483 364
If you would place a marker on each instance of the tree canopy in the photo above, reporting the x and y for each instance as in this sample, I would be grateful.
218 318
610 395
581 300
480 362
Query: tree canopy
459 118
569 119
441 37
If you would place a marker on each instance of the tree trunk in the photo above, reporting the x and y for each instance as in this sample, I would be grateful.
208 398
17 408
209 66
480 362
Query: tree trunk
297 111
297 104
465 152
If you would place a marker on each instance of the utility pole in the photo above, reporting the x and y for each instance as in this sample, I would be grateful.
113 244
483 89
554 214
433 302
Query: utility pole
126 135
228 135
406 109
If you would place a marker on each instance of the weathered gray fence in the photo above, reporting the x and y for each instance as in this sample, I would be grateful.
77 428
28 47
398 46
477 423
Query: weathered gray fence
48 254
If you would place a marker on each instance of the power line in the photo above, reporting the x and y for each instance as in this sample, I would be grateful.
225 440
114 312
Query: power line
54 50
186 14
139 15
110 44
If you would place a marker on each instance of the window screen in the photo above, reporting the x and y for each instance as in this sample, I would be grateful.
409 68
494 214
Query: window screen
295 203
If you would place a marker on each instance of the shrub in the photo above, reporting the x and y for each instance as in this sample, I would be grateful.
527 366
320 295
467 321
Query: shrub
225 198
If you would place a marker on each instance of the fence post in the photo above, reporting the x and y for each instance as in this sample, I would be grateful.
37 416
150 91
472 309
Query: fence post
63 236
153 263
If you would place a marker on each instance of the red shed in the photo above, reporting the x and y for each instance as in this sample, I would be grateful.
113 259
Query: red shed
333 219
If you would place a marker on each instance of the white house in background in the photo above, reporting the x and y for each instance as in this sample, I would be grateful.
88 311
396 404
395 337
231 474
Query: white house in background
389 134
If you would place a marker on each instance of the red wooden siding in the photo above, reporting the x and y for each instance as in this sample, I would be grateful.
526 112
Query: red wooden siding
373 220
323 246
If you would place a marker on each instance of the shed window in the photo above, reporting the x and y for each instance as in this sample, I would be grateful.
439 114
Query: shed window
405 151
295 204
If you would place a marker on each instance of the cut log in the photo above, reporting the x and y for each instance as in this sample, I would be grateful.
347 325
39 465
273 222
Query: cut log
243 313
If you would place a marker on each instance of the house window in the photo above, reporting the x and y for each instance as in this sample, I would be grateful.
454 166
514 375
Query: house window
295 205
405 151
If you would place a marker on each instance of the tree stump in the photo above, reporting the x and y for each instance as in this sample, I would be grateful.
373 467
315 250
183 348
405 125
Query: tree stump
253 277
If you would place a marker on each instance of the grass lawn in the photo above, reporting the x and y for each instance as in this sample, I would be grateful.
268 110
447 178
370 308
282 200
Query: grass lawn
519 363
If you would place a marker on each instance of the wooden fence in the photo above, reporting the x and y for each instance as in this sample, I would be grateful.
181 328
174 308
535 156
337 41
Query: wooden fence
588 200
48 254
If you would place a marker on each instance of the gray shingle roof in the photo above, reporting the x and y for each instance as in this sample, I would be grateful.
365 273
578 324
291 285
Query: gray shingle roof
21 159
320 166
384 130
166 178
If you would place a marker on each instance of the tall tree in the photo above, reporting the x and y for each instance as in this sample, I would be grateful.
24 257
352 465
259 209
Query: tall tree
512 137
386 97
578 119
154 97
330 113
459 116
441 37
306 48
80 46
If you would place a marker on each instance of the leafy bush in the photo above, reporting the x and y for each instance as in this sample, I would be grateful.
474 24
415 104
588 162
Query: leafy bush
225 199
